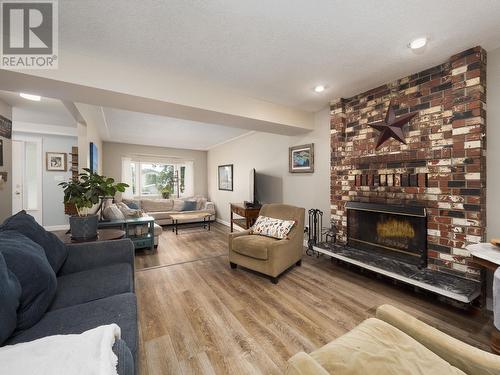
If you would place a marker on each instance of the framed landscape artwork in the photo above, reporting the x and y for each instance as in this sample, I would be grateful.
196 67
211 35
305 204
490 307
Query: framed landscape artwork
301 159
56 161
226 177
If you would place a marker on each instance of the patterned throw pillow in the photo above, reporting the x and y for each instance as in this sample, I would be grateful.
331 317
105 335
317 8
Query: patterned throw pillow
271 227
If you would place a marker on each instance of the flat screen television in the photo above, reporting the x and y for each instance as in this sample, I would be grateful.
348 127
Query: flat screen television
252 190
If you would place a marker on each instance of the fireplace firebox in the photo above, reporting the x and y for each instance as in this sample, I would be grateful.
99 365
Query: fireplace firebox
397 232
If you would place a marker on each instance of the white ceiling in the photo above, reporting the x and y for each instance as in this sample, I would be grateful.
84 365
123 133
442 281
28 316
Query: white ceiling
47 111
145 129
277 50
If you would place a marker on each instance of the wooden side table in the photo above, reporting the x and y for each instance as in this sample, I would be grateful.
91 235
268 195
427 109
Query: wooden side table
248 215
487 256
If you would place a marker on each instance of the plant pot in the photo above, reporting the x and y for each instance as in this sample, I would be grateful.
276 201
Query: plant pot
83 228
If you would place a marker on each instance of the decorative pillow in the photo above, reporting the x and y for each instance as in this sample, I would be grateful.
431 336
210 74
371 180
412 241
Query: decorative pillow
10 296
27 261
134 204
112 212
55 251
200 201
271 227
128 212
178 205
189 206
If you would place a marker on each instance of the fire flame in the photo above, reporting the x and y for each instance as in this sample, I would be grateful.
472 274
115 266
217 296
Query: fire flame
395 228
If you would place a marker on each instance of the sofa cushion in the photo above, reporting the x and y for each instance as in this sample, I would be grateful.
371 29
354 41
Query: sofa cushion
161 215
189 206
178 205
157 205
93 284
27 261
375 347
10 296
120 309
253 246
55 251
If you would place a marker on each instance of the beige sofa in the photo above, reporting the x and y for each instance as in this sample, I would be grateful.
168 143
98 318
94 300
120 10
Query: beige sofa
270 256
395 343
161 209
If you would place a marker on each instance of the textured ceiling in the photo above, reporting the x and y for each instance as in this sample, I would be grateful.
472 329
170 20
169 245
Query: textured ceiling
277 50
47 111
145 129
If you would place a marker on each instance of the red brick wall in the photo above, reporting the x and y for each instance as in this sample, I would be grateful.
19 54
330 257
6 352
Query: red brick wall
446 141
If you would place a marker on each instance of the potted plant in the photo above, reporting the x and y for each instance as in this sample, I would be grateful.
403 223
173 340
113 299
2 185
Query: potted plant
84 192
166 191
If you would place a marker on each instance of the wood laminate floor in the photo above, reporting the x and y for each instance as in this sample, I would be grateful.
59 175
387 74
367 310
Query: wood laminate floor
201 317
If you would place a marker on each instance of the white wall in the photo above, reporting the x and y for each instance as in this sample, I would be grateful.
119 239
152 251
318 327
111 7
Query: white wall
493 144
268 154
112 154
90 132
6 188
52 194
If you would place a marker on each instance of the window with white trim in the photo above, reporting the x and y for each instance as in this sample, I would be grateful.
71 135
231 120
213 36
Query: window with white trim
156 179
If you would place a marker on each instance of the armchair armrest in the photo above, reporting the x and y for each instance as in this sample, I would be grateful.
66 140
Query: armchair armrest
303 364
233 235
84 256
467 358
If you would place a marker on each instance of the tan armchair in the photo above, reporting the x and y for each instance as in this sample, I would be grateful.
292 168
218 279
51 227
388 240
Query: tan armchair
267 255
394 343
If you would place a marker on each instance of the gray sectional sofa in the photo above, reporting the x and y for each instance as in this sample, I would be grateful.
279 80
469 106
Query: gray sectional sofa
84 286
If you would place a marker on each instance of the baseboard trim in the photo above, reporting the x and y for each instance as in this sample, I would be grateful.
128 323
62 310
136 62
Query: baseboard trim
227 224
52 228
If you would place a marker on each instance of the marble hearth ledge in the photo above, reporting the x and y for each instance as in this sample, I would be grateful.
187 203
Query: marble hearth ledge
454 287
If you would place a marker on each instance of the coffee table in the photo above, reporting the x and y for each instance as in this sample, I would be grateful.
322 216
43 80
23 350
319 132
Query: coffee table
205 216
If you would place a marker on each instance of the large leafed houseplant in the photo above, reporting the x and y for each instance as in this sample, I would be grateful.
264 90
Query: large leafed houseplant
84 193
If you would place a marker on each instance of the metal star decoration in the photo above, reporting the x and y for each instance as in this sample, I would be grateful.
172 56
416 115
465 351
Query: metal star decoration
392 127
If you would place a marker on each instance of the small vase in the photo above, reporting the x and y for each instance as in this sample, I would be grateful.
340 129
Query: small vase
83 228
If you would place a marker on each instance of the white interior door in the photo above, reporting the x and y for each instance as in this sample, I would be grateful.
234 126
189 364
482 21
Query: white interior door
17 175
27 163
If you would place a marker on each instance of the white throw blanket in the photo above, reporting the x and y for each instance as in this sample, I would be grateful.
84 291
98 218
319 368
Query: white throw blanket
496 298
89 353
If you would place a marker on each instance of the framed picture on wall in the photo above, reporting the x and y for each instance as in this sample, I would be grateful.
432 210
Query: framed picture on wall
226 177
5 127
94 158
301 159
56 161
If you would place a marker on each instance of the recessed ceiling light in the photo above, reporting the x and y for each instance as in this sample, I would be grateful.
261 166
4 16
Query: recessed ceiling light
35 98
418 43
319 88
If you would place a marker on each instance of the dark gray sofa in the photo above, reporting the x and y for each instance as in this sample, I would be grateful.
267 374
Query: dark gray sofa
95 286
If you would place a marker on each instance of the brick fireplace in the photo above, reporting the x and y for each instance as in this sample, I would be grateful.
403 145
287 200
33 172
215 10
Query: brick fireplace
442 167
